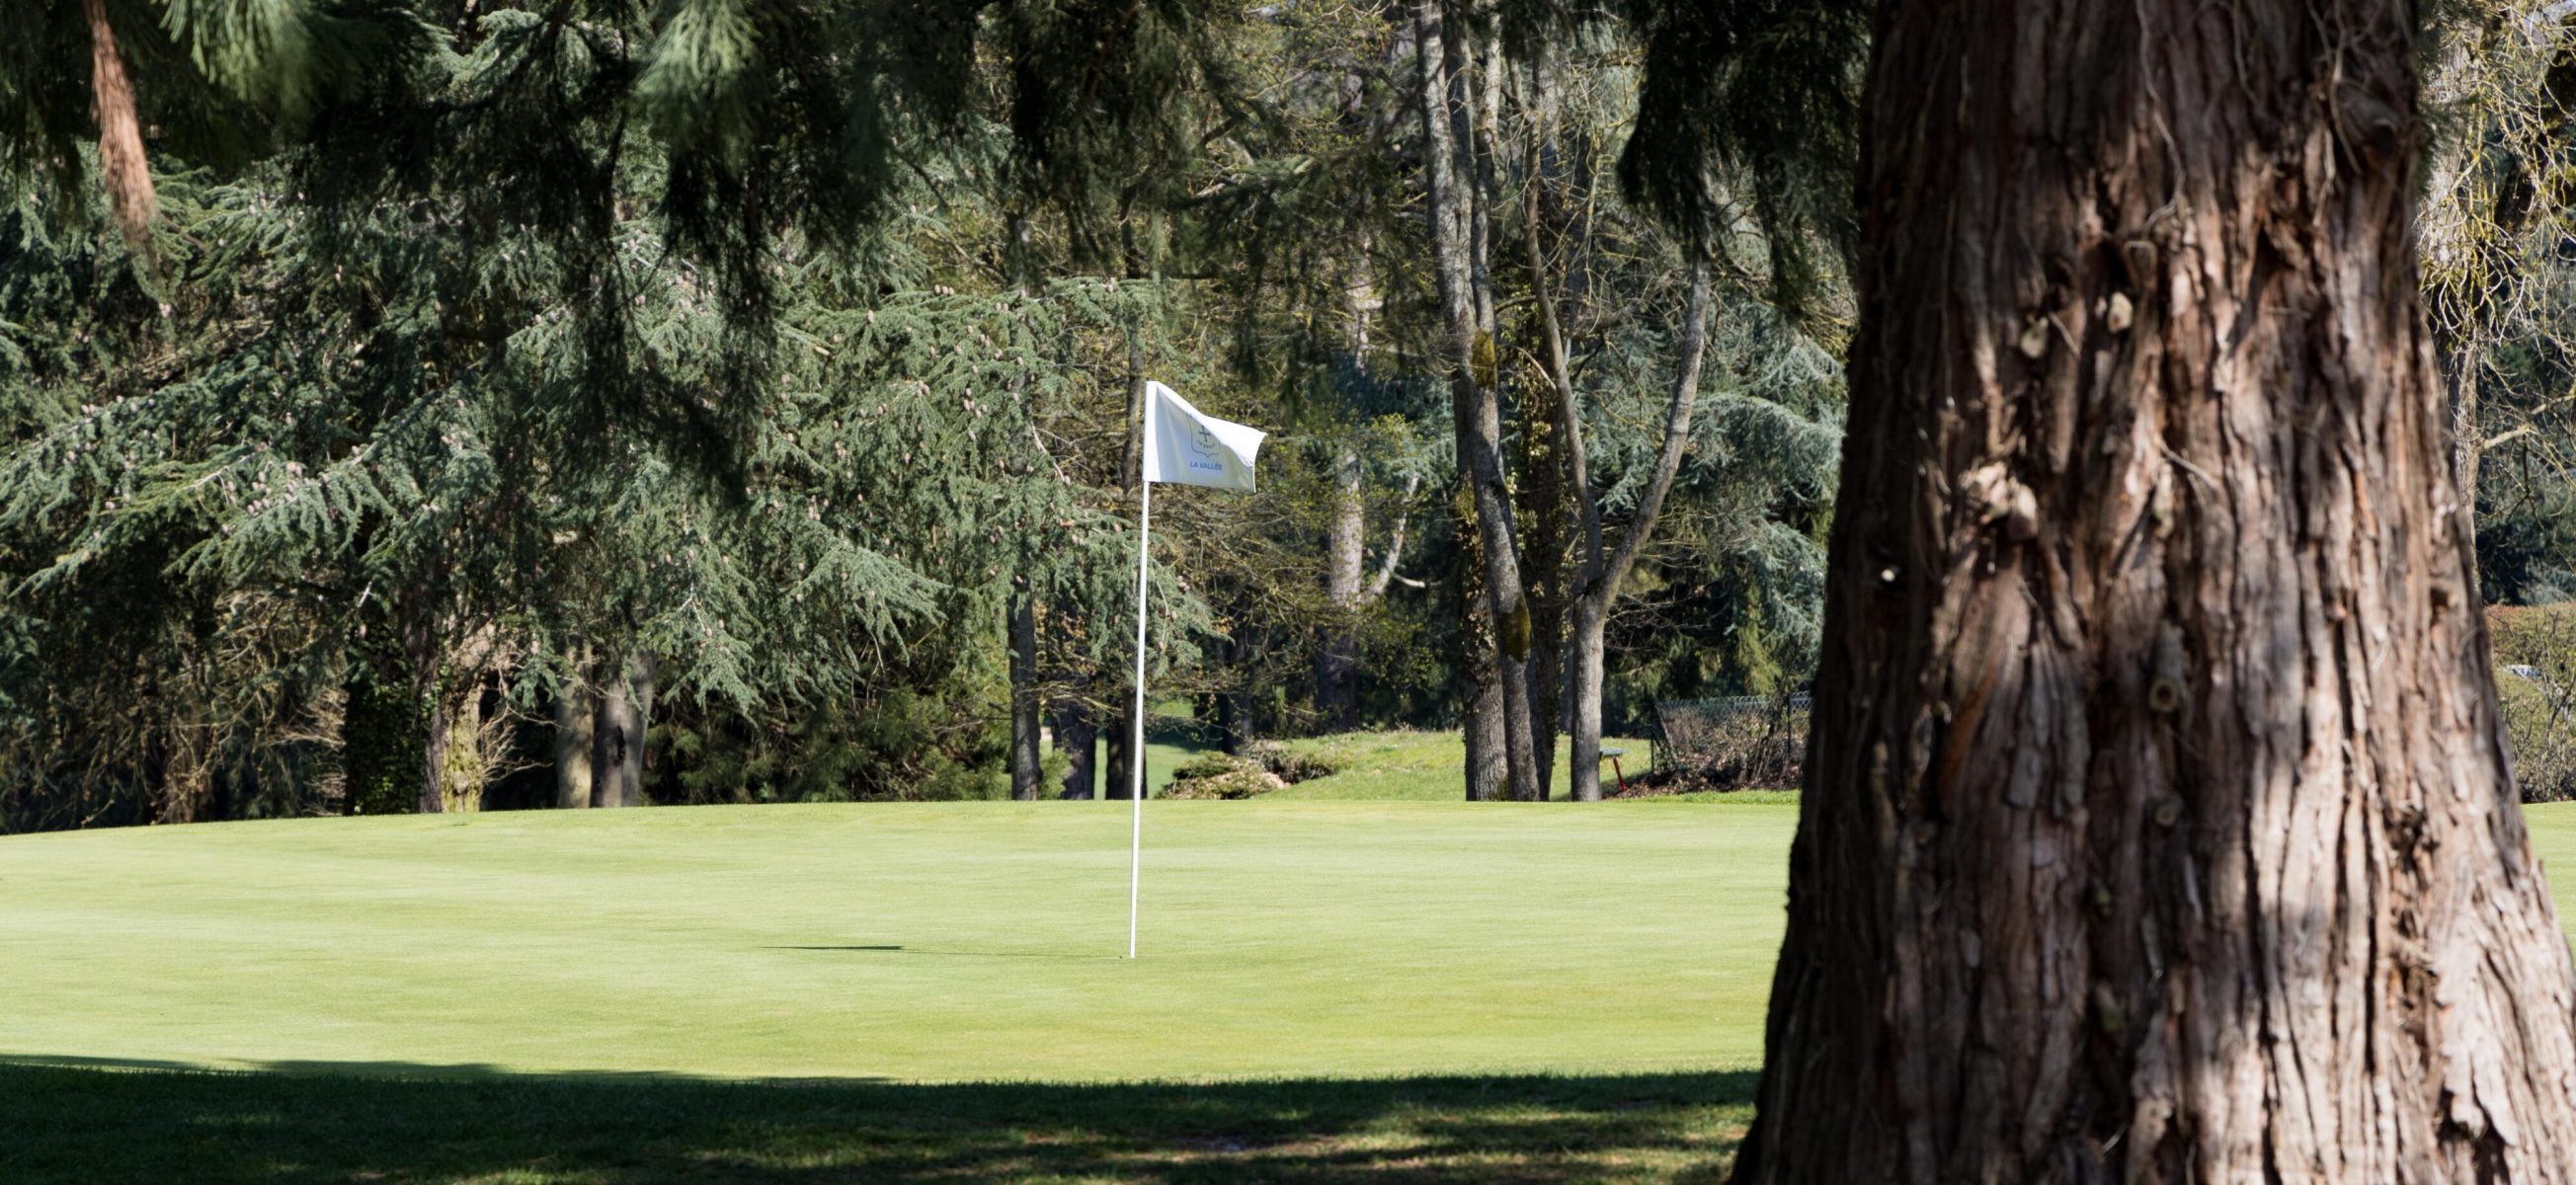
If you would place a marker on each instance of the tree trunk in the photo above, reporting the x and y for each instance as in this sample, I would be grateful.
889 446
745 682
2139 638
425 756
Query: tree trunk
1543 545
2157 823
1590 671
1480 698
575 712
1026 767
121 164
617 737
1230 705
423 633
458 750
1120 781
1077 736
438 732
643 686
1604 575
1337 666
1547 437
1337 692
2467 444
1481 719
1459 173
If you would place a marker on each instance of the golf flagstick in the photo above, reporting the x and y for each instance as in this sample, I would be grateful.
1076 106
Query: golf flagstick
1202 451
1136 744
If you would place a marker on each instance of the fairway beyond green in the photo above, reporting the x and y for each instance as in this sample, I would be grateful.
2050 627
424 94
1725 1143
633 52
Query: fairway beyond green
911 942
1406 763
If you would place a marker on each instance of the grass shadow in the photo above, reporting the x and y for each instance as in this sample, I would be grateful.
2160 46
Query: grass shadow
100 1120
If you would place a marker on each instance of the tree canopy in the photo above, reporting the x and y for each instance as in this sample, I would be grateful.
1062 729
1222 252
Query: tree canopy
761 363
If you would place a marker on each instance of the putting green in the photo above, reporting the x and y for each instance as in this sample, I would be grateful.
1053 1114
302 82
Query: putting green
919 942
913 942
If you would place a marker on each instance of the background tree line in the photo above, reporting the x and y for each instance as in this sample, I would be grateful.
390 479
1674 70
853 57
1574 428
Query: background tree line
420 406
593 404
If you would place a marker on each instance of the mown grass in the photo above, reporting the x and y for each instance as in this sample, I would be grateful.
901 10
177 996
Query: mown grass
1332 990
938 942
542 996
1423 766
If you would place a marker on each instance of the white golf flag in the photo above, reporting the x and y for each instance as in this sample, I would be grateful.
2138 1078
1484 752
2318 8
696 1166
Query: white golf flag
1182 446
1186 446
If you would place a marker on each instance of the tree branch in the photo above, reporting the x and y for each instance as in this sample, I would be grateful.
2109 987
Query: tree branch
1677 418
1395 542
120 134
1578 460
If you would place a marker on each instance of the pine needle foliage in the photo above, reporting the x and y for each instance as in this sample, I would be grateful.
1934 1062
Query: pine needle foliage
428 456
216 81
1759 98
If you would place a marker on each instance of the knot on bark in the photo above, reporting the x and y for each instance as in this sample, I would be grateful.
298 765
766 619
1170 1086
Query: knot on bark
2002 498
2370 123
2166 692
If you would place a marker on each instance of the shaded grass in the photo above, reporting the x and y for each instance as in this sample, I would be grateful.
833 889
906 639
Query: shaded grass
97 1124
1738 797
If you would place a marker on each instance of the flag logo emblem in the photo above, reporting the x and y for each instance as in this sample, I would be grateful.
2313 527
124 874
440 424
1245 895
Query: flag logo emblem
1186 446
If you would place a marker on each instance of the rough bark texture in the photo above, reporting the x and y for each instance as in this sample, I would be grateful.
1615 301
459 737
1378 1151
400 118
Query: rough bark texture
2157 823
120 134
461 766
423 629
2467 445
439 733
1120 778
1480 697
1459 74
1551 443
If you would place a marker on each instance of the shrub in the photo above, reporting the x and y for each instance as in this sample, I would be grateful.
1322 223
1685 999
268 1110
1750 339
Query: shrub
1290 765
1728 745
1221 775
